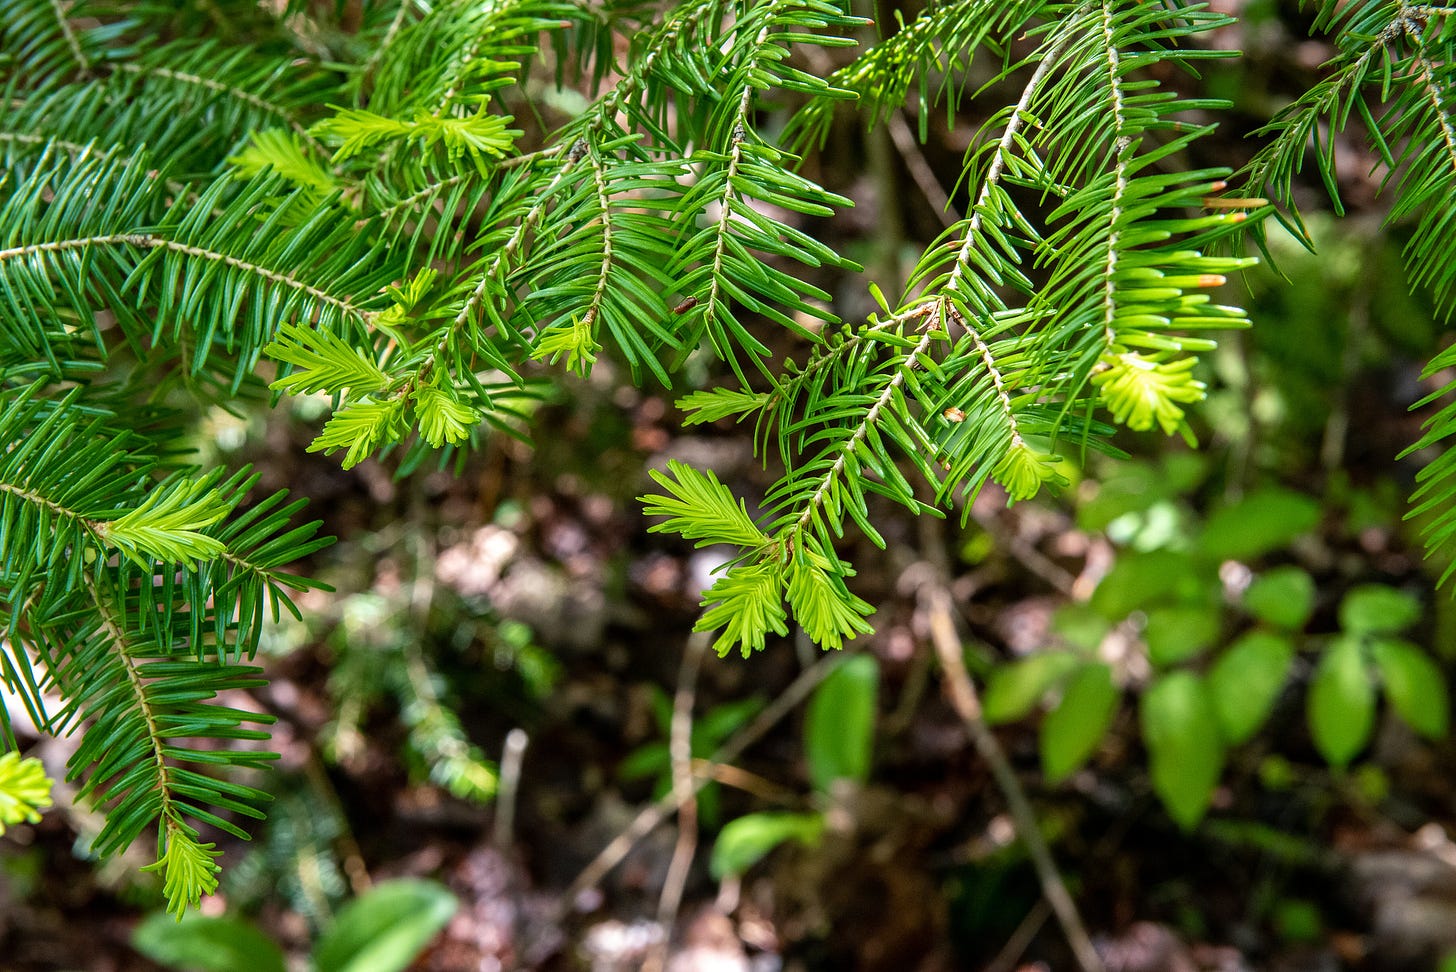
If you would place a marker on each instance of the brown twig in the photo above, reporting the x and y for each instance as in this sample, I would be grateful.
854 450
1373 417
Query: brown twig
1020 940
684 793
963 697
653 814
512 755
1025 552
920 169
741 779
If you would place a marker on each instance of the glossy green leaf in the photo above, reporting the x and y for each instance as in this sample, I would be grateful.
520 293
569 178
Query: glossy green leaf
1414 686
745 841
839 724
1185 753
1245 682
1261 522
384 929
1014 689
1342 702
1283 597
1378 609
202 944
1073 730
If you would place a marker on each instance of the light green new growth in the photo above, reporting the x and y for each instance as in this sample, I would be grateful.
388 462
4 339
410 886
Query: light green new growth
25 790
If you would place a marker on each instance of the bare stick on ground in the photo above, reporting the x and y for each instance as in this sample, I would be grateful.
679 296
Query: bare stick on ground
684 794
652 815
968 706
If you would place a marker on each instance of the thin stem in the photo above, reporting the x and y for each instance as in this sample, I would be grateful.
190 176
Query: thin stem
25 138
832 474
92 526
998 384
599 295
513 754
725 210
684 790
1432 87
968 706
78 55
648 819
1119 186
920 170
377 54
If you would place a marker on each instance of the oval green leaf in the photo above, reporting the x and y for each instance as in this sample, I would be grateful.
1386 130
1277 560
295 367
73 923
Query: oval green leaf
1245 682
1341 703
1140 579
1283 597
384 929
1185 753
1257 524
1378 609
201 944
1072 731
1080 626
742 843
839 726
1414 686
1014 689
1179 632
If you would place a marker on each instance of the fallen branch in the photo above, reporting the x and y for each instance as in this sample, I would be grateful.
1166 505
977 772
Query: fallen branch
967 704
648 819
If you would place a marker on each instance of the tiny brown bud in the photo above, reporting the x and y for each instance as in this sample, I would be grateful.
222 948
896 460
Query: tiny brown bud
686 306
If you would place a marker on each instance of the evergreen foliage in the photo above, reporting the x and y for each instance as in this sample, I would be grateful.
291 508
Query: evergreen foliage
410 207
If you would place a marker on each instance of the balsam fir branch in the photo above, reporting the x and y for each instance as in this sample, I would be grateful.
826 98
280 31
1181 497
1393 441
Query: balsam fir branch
958 379
1394 71
95 610
391 218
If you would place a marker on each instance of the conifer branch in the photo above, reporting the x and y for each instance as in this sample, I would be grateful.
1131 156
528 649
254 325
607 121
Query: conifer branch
147 241
1121 144
415 275
223 88
500 261
604 203
936 311
83 63
117 638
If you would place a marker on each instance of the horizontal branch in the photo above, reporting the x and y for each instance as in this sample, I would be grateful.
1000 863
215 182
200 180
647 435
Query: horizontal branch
221 87
150 242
